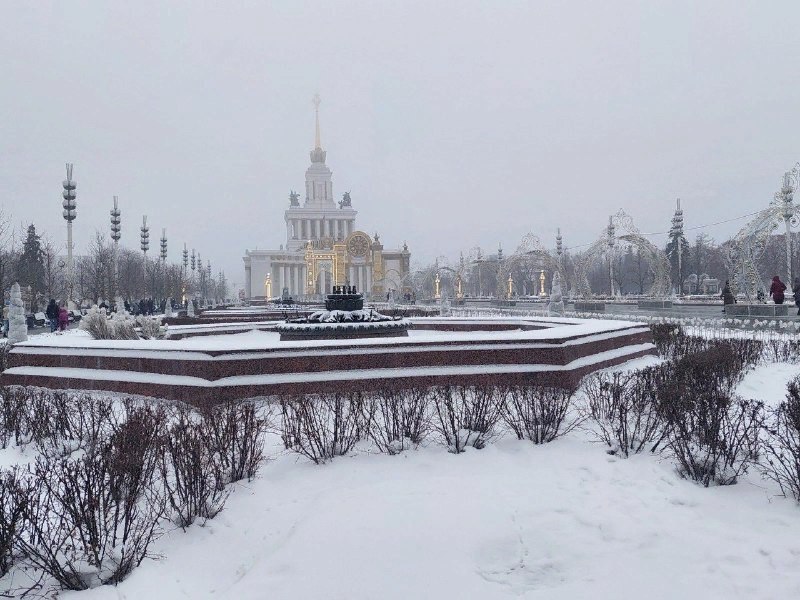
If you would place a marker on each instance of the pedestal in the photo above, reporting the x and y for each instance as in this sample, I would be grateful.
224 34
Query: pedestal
757 310
655 304
590 306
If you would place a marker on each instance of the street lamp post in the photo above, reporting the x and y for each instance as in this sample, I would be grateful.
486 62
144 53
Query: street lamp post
69 214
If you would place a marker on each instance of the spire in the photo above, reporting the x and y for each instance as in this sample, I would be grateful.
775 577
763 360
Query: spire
317 154
317 100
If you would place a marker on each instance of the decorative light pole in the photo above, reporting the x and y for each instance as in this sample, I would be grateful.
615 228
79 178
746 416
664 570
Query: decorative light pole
786 196
560 255
559 245
115 235
677 234
611 241
163 263
510 284
541 284
436 294
208 277
201 280
144 238
69 205
185 271
268 287
164 245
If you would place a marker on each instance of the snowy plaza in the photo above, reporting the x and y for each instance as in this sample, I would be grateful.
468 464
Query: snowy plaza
399 300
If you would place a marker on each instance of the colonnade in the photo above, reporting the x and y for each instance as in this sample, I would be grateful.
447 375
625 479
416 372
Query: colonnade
289 276
314 229
294 278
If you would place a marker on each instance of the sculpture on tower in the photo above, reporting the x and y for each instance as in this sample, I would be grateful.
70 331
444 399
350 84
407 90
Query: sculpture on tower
294 198
345 202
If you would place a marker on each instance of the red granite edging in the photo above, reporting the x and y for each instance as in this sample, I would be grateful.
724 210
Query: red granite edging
346 358
202 396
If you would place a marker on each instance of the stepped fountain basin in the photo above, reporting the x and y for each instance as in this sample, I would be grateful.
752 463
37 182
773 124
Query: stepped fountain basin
258 363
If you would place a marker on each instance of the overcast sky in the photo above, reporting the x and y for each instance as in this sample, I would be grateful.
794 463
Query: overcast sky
453 125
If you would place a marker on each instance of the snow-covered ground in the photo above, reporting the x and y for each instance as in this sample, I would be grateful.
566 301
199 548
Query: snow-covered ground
559 521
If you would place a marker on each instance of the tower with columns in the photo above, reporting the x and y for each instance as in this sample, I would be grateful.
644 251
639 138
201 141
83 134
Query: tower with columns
323 245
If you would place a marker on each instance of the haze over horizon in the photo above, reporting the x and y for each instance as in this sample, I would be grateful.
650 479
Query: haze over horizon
453 125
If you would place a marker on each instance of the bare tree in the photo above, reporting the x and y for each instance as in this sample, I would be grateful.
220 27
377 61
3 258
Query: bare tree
97 269
54 270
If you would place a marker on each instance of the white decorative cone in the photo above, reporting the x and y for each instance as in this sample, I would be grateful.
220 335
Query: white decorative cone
17 324
189 308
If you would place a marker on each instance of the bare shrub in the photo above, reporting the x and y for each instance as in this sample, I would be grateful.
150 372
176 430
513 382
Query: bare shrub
467 415
13 428
193 478
714 437
96 516
397 420
673 343
539 414
624 410
5 349
58 422
782 350
16 492
234 432
781 447
321 427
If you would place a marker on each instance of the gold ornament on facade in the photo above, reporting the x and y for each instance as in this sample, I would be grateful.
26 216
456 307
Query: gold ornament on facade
358 245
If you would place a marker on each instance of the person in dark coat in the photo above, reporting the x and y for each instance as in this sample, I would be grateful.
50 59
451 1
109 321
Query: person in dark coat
727 295
776 290
52 315
796 292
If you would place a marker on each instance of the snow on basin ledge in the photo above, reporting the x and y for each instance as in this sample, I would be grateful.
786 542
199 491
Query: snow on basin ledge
257 363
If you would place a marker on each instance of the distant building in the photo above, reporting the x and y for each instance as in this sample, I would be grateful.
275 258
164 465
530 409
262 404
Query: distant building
323 246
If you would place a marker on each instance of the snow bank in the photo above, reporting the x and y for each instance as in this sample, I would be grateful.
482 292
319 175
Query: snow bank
561 521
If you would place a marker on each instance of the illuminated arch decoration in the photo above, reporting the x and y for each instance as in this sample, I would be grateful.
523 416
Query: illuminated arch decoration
531 252
603 249
747 247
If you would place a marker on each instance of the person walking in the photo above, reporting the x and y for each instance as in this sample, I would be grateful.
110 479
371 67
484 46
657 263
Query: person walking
52 314
63 318
796 292
777 289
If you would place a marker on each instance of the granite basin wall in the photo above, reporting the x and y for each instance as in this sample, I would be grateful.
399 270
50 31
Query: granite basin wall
311 369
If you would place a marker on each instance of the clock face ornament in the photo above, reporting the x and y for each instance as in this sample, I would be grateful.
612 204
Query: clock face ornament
358 246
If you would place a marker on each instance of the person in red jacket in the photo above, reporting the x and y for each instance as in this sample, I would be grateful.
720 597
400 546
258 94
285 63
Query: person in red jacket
776 290
63 318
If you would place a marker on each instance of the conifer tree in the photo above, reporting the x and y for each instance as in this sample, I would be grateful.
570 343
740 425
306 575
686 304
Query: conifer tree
30 268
